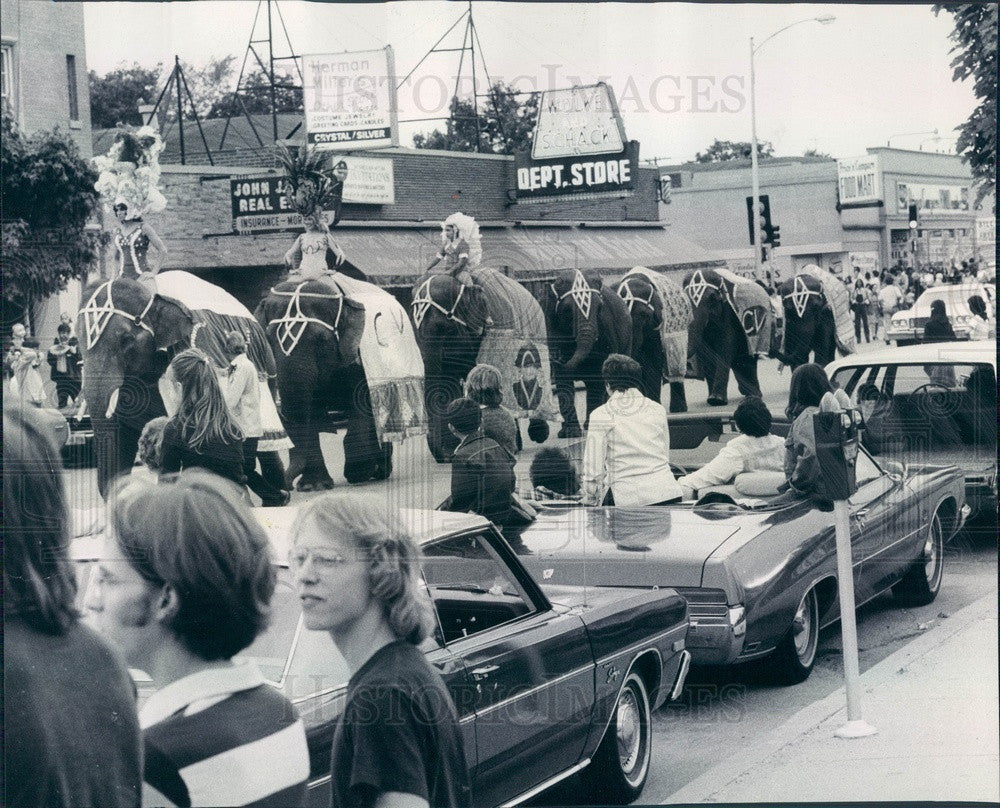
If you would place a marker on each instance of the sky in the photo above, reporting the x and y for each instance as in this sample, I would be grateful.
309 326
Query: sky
680 71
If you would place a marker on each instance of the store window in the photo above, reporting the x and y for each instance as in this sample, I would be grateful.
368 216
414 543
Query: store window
74 105
7 75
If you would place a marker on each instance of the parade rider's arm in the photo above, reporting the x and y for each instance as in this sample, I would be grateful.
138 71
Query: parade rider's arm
592 482
156 241
331 242
435 262
294 256
720 470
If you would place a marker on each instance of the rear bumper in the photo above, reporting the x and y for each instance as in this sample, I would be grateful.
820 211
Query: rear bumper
682 673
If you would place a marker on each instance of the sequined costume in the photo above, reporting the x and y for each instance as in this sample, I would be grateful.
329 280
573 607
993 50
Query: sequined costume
132 249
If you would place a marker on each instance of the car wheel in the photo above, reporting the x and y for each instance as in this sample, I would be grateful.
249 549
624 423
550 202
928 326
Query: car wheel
796 654
618 770
922 581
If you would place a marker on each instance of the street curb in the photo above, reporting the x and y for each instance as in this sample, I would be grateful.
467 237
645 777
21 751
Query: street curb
702 788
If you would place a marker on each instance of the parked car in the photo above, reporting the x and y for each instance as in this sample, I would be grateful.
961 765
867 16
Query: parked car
547 681
760 579
907 326
931 404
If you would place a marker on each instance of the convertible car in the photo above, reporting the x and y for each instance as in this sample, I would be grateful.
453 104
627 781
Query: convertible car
760 579
548 681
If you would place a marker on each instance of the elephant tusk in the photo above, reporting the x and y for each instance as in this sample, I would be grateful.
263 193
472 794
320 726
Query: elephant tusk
112 403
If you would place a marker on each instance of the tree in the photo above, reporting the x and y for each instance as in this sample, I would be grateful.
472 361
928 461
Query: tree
506 125
724 150
975 49
48 197
816 153
255 93
114 98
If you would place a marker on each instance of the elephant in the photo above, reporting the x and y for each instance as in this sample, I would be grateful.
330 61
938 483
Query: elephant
586 322
811 304
507 329
656 330
731 322
315 331
128 335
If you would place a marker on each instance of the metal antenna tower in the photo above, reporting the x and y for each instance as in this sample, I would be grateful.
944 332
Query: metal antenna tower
266 62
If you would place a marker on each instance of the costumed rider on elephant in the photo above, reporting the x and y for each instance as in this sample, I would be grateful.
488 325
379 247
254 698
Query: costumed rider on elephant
462 251
313 191
127 182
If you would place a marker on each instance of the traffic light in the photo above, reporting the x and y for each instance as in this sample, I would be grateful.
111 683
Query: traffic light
913 217
764 212
775 236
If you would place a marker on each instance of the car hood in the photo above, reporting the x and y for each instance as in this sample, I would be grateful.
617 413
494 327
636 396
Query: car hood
628 547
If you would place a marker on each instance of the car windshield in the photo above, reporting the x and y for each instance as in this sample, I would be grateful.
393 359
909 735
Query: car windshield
937 412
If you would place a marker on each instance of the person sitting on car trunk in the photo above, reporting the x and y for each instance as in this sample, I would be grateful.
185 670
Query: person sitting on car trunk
754 450
938 328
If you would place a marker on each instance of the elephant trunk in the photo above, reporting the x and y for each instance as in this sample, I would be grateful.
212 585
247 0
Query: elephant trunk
586 337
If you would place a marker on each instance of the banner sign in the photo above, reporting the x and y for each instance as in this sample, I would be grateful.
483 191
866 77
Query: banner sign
986 230
859 180
573 175
932 198
350 99
578 121
370 180
866 261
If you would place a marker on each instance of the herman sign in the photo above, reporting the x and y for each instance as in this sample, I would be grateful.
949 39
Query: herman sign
578 121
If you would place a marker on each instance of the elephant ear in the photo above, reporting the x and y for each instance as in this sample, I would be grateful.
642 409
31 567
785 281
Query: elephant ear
171 320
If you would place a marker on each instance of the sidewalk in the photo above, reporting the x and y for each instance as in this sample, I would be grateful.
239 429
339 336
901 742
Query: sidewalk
935 705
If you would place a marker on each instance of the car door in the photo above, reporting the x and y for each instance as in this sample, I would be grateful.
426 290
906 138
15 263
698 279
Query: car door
529 666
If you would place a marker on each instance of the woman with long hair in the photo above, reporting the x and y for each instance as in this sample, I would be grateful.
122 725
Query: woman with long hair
202 432
71 729
809 384
938 327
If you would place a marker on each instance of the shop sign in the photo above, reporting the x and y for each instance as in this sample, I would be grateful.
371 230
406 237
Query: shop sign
350 99
932 199
866 261
370 180
259 205
573 175
859 180
986 230
578 121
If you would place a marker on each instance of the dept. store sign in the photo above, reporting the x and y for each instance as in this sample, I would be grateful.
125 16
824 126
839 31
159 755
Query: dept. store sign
859 180
574 175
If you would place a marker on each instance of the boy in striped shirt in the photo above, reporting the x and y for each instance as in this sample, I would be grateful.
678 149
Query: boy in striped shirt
184 585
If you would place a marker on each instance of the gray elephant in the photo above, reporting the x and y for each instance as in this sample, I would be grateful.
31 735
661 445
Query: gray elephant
661 314
817 318
586 322
732 323
128 335
315 330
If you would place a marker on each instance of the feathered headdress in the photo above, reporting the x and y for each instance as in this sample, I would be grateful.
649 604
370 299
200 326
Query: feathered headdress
469 230
130 171
309 184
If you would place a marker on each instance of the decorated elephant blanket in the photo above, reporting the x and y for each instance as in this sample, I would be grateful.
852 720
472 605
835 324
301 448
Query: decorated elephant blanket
839 299
216 313
753 308
674 322
517 345
394 368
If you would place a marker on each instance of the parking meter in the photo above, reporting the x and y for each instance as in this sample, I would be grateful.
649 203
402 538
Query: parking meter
837 439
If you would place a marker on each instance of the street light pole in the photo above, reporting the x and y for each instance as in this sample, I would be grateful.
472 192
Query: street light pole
754 170
823 19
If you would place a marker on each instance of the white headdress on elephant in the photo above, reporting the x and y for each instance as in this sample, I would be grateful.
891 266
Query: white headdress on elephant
467 229
130 172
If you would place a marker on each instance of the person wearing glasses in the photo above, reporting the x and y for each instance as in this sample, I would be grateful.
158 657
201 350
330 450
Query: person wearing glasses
398 743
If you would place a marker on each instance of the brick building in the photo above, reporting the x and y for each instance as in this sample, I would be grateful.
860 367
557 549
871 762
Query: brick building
395 239
826 218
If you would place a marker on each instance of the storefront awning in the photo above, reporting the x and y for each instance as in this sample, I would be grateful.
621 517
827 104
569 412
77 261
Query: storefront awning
397 256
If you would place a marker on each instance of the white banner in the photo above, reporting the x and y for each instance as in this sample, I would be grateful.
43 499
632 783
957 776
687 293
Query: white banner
932 198
577 121
859 179
350 99
986 231
866 261
370 180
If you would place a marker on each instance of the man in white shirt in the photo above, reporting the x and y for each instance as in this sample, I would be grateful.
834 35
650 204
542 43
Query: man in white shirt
241 389
889 297
628 444
754 450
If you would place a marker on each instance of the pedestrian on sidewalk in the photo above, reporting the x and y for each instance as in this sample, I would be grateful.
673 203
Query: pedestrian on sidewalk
71 734
241 389
397 742
626 458
890 298
66 365
860 301
184 585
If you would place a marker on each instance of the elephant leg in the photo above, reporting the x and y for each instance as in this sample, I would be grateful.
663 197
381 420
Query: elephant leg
678 397
745 371
716 369
306 458
115 447
272 469
825 340
566 395
596 394
363 454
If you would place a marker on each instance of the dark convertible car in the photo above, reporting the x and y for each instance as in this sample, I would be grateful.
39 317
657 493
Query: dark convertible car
760 579
548 681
